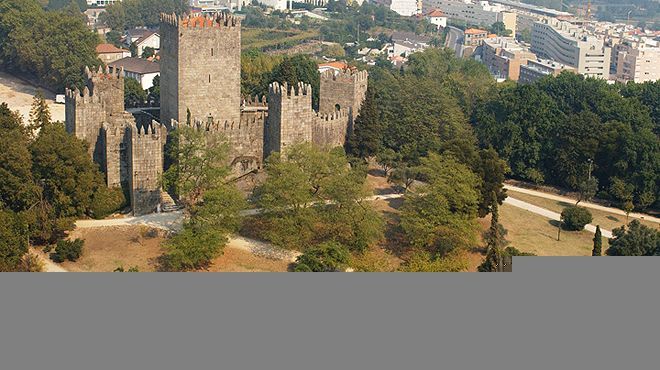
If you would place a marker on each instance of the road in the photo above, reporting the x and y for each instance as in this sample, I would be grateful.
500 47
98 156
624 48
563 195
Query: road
583 204
454 40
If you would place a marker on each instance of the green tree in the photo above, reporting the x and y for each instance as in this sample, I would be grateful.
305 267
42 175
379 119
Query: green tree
367 137
388 159
299 68
634 240
598 242
326 257
575 218
313 195
587 189
198 174
492 171
153 93
114 37
441 216
63 4
501 260
40 113
17 189
148 52
499 28
69 250
13 240
134 95
69 179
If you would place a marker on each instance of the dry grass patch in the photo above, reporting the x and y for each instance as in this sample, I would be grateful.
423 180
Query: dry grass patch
529 232
236 260
606 220
107 248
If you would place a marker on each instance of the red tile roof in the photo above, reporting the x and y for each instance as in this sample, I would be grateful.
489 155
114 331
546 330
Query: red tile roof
338 65
108 49
475 31
435 13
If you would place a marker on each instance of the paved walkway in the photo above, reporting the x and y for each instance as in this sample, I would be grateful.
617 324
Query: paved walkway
549 214
583 204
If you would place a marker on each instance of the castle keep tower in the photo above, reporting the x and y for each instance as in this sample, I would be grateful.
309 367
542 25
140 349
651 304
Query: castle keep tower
200 68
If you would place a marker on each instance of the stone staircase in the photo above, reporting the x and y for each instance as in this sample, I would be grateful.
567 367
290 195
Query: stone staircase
167 202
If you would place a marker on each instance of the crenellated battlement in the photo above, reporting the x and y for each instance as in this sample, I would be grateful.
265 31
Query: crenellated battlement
104 74
255 101
219 20
77 97
347 75
299 89
333 116
247 122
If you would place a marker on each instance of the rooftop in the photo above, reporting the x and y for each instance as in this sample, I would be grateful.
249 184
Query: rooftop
136 65
435 13
109 49
475 31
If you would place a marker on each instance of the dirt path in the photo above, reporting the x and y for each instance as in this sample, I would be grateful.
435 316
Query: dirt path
49 266
18 96
583 204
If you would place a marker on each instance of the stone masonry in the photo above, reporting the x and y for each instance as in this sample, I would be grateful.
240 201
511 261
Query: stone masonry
200 86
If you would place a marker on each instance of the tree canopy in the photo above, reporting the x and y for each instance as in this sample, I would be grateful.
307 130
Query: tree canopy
52 46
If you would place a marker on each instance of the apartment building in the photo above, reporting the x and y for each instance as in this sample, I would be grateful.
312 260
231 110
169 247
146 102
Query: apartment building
572 45
503 56
539 68
405 8
474 36
478 13
638 62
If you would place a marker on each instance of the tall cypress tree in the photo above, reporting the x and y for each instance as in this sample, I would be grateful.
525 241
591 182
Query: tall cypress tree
367 137
40 113
598 243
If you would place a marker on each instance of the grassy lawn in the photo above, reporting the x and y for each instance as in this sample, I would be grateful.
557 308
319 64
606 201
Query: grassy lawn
530 232
606 220
259 38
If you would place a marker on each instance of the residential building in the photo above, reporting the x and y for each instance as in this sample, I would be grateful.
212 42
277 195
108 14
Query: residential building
638 62
335 67
139 69
437 17
571 44
109 53
539 68
405 43
474 36
503 56
149 40
478 13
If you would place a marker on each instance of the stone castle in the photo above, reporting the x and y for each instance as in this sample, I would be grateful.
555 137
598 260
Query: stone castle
200 61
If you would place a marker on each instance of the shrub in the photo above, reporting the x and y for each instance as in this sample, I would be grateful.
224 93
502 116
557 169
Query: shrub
575 218
326 257
68 250
106 201
130 269
420 260
495 255
192 249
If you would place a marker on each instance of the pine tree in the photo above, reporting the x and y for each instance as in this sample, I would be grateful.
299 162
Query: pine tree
40 113
366 139
598 243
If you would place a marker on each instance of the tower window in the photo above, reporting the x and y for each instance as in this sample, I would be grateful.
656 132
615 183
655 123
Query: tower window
211 51
209 78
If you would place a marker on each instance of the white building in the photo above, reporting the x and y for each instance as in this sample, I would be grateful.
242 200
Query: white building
569 44
139 69
638 62
478 13
437 17
405 8
406 43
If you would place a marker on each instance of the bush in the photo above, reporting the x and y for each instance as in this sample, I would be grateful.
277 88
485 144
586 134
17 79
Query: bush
68 250
574 218
192 249
496 255
326 257
31 263
106 201
420 260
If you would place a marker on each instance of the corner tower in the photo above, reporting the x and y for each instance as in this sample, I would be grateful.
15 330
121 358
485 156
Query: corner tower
343 91
200 68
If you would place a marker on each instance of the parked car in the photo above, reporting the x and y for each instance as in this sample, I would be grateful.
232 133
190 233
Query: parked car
59 99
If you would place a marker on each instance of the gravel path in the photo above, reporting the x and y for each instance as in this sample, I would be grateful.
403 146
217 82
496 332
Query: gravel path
549 214
583 204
